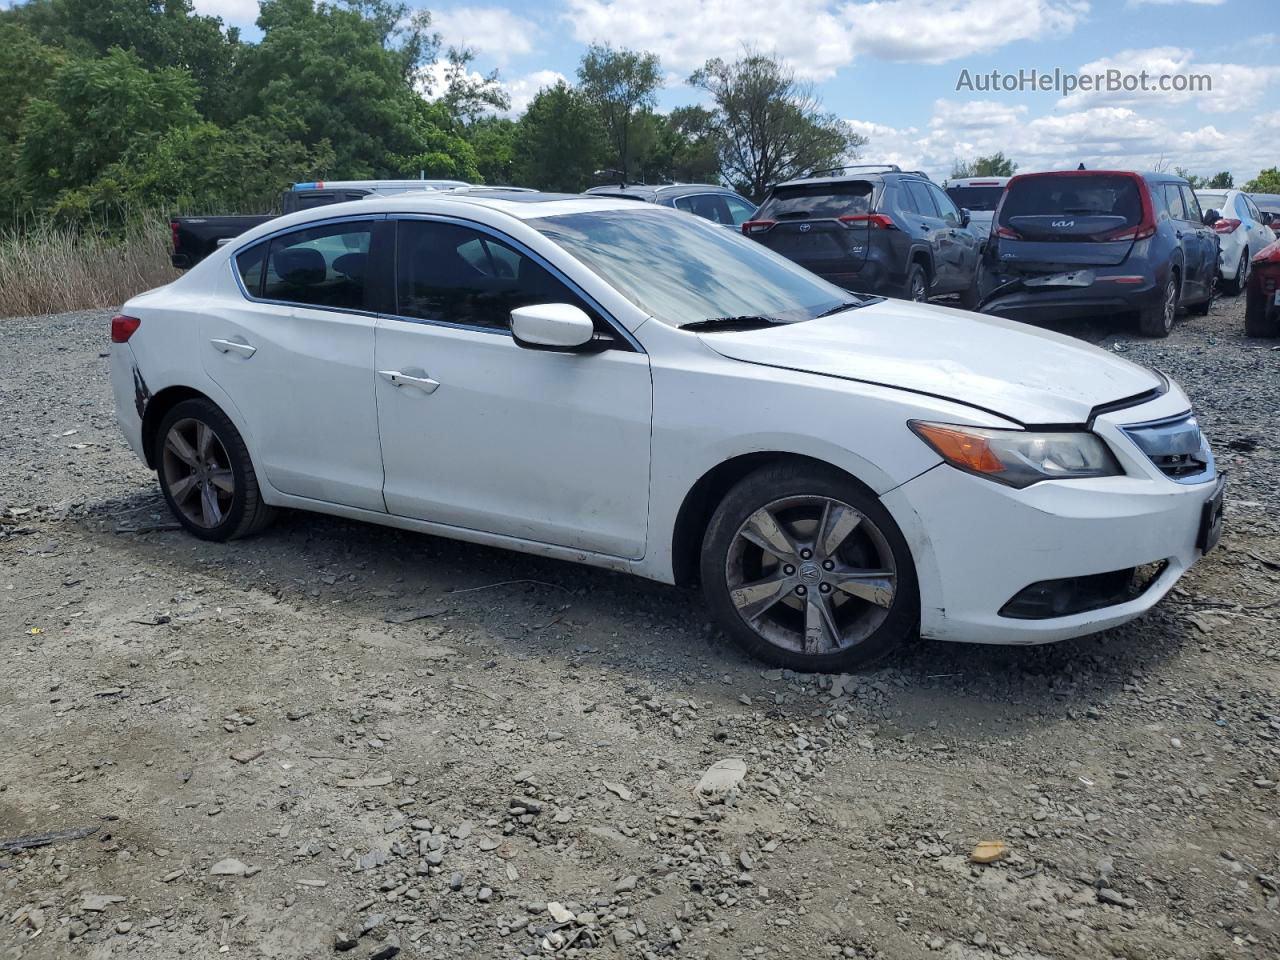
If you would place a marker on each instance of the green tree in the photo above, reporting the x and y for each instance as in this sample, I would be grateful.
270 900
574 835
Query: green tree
1223 180
1267 181
93 113
770 126
996 165
494 142
620 84
680 146
25 71
163 33
1191 178
345 75
558 142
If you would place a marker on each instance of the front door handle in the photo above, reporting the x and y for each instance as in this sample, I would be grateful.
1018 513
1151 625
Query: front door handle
235 346
399 379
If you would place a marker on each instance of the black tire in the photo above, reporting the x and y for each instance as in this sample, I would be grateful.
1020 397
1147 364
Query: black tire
887 626
1157 321
1232 288
240 511
1261 319
917 286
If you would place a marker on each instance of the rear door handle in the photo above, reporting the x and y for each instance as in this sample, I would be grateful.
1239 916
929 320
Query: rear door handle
235 346
398 379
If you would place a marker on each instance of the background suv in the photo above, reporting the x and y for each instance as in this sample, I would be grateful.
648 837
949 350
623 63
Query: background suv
980 196
1075 243
717 204
880 230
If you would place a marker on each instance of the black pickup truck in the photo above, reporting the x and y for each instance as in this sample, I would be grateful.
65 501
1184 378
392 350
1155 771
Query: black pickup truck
194 238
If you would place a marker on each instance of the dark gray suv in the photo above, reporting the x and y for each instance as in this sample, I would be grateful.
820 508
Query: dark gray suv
872 229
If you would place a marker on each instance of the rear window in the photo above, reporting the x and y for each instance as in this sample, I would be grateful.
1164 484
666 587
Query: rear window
975 198
817 201
1071 207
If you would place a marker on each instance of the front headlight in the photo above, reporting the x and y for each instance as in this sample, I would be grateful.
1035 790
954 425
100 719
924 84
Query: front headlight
1019 458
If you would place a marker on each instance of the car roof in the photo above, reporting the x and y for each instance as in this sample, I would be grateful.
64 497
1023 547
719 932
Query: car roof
646 190
976 182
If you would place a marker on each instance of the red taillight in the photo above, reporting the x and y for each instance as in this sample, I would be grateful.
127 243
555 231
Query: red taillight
752 227
1008 233
1129 278
122 328
1140 232
173 232
879 221
1226 225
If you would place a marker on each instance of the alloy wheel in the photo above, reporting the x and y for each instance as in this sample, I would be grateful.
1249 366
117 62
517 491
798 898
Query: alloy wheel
1170 304
811 574
918 288
197 473
1242 271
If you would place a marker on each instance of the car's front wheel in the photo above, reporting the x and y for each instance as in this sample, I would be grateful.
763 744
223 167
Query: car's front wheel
806 569
205 473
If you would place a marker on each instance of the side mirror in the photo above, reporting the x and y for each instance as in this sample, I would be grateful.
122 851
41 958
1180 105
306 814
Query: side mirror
1268 219
551 326
965 216
1210 217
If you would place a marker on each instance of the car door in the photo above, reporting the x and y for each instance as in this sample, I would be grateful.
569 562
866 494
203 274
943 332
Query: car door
481 433
929 226
1259 235
1203 238
959 245
295 355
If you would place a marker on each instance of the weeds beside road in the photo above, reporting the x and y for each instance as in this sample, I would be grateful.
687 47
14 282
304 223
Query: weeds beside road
336 726
52 269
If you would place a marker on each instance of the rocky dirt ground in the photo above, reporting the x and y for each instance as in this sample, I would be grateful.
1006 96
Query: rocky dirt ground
340 740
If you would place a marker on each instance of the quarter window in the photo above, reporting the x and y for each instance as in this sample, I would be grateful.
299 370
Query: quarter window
320 267
249 265
453 274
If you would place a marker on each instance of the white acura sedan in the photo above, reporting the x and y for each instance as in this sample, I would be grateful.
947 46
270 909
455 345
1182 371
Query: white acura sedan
631 387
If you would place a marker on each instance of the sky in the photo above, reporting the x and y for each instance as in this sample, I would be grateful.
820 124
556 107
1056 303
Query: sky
891 68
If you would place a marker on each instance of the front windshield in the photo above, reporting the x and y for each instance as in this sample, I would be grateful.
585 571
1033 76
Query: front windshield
683 269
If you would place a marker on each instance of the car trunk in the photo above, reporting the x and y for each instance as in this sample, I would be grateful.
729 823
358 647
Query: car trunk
808 227
1050 222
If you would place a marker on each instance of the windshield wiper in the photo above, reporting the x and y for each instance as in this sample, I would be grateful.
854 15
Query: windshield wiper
841 307
732 323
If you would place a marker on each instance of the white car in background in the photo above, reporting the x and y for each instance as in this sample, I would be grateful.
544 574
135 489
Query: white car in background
619 384
980 196
1241 233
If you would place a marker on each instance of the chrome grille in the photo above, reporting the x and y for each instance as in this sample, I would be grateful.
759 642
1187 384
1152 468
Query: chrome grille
1176 446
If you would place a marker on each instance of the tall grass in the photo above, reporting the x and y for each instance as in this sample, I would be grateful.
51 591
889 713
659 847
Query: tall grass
48 268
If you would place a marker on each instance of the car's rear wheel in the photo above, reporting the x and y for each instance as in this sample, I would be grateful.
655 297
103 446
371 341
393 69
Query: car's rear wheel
1234 286
917 286
1157 320
806 569
206 475
1202 308
971 296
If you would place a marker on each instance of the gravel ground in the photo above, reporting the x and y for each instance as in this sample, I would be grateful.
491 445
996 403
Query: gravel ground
337 739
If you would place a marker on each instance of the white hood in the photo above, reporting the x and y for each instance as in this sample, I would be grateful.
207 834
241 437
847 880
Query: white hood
1018 371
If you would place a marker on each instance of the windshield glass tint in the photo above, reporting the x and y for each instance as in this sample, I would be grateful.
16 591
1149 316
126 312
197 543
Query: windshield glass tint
683 269
817 200
975 198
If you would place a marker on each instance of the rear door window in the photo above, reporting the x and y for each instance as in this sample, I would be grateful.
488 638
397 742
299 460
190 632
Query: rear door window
922 199
1071 207
818 201
320 267
709 206
1173 200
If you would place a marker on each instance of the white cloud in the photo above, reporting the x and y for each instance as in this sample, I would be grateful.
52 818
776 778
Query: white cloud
237 13
935 31
1229 87
1169 3
1099 137
523 89
817 37
495 32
